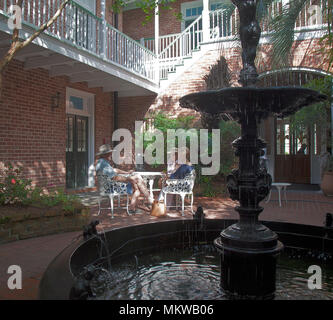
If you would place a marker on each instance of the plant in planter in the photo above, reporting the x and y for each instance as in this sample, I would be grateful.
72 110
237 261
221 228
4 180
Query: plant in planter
17 191
27 211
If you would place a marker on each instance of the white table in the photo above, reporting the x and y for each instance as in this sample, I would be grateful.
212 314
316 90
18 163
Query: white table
279 186
150 176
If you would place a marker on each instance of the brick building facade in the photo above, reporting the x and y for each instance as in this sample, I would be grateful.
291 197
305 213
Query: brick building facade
34 134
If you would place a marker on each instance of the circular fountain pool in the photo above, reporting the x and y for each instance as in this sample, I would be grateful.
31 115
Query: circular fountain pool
176 260
194 274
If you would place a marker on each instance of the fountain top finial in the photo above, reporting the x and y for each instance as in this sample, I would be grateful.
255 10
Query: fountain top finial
249 31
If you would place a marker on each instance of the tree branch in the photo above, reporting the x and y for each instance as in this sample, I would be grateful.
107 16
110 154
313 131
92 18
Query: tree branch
17 45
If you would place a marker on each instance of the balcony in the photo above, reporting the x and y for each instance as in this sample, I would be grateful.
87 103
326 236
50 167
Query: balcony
83 47
86 48
219 26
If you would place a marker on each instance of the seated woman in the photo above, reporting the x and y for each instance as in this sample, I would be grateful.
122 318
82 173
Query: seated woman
135 185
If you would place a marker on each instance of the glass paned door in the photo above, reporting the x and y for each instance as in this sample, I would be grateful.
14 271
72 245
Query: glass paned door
292 157
76 151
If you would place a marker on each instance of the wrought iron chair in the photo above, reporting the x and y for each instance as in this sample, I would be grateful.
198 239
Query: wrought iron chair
180 187
109 188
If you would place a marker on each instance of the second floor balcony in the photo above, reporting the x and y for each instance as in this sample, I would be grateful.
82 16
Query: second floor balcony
83 46
86 47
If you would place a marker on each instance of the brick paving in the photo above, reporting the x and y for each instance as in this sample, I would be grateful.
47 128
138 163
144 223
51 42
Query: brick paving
34 255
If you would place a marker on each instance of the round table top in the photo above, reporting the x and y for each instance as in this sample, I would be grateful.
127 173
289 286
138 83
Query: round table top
281 184
149 173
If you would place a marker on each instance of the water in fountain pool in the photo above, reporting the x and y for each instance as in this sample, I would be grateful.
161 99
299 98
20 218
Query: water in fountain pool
169 275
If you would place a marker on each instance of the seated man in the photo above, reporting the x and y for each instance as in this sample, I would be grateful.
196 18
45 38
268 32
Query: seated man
134 181
180 170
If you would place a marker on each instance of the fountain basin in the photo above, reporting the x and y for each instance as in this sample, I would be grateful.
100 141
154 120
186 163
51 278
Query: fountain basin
238 101
124 243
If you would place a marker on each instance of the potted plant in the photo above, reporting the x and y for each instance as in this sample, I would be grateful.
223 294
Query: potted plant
327 179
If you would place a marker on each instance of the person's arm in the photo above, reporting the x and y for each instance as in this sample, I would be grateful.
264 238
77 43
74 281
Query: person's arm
122 171
116 170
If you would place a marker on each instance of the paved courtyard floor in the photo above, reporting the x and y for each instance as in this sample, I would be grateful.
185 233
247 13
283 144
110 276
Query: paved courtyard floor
34 255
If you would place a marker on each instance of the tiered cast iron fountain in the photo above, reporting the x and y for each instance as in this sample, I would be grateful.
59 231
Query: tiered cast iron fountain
249 249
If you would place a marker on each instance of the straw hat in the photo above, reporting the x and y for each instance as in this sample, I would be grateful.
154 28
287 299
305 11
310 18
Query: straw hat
104 149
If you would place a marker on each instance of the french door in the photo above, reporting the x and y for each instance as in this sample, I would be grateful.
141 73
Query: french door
76 151
292 156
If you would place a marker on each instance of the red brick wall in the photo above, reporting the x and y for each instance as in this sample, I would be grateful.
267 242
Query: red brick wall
109 13
305 54
192 80
133 26
169 24
110 16
32 135
131 109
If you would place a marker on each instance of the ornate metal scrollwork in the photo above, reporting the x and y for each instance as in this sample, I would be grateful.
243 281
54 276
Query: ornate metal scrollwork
264 182
233 185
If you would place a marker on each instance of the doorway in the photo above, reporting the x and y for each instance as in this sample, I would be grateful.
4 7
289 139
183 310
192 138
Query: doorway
79 139
292 155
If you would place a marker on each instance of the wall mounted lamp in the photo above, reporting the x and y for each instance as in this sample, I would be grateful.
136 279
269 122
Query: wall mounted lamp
55 101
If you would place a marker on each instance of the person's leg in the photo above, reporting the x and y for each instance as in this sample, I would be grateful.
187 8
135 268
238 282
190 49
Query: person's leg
134 199
142 187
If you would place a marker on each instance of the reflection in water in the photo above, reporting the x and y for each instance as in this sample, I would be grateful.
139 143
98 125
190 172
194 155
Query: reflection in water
195 275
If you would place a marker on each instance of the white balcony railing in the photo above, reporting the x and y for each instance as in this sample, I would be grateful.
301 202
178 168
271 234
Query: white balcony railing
223 26
164 41
182 46
78 27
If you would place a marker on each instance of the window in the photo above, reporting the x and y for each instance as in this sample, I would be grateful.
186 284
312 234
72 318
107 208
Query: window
76 103
216 6
192 10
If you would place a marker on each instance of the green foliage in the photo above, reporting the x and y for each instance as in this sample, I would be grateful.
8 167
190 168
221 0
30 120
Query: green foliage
230 130
206 183
323 85
283 31
282 26
4 220
13 189
326 41
163 123
16 190
318 113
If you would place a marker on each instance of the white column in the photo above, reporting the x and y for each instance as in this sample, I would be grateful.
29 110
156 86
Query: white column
157 29
157 46
103 32
205 21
